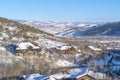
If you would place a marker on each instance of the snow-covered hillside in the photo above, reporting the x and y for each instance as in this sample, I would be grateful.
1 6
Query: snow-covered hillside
41 52
60 28
108 29
12 32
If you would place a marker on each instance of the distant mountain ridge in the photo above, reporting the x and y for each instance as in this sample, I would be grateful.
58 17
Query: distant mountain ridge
65 29
108 29
61 29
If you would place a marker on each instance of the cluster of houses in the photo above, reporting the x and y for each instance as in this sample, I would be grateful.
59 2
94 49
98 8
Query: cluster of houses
73 74
66 49
32 47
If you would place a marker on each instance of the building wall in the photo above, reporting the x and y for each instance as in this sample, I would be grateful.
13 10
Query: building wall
86 77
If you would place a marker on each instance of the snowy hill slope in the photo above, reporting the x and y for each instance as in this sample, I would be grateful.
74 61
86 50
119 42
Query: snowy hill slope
10 30
13 32
65 29
60 28
108 29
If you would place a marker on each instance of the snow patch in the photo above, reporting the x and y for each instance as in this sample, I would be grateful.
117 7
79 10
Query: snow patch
64 63
95 49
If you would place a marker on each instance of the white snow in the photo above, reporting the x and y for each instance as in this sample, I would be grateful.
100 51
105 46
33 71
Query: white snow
25 45
5 57
77 73
78 57
2 49
96 75
48 43
105 41
36 76
5 35
1 38
63 28
95 49
64 47
82 25
59 76
11 28
65 63
14 38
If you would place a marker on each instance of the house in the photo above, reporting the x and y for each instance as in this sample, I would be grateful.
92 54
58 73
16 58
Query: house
27 46
94 50
23 47
66 49
73 74
86 77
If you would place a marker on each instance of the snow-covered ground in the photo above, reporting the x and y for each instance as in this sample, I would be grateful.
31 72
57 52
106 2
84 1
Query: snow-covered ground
96 75
60 28
64 47
65 63
5 56
8 33
95 49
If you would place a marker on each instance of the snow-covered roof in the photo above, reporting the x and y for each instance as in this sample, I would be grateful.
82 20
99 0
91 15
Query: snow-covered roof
36 76
95 49
59 76
73 73
64 47
78 72
25 45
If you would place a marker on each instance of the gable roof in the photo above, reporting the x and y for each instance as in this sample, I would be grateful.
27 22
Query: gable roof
36 76
78 72
11 48
73 73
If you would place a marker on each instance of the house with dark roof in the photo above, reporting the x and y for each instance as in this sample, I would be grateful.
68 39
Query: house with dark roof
66 49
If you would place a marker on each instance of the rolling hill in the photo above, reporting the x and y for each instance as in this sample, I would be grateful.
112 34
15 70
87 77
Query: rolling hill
108 29
60 29
13 32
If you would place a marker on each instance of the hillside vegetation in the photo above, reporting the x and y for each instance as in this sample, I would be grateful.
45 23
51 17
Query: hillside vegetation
14 31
